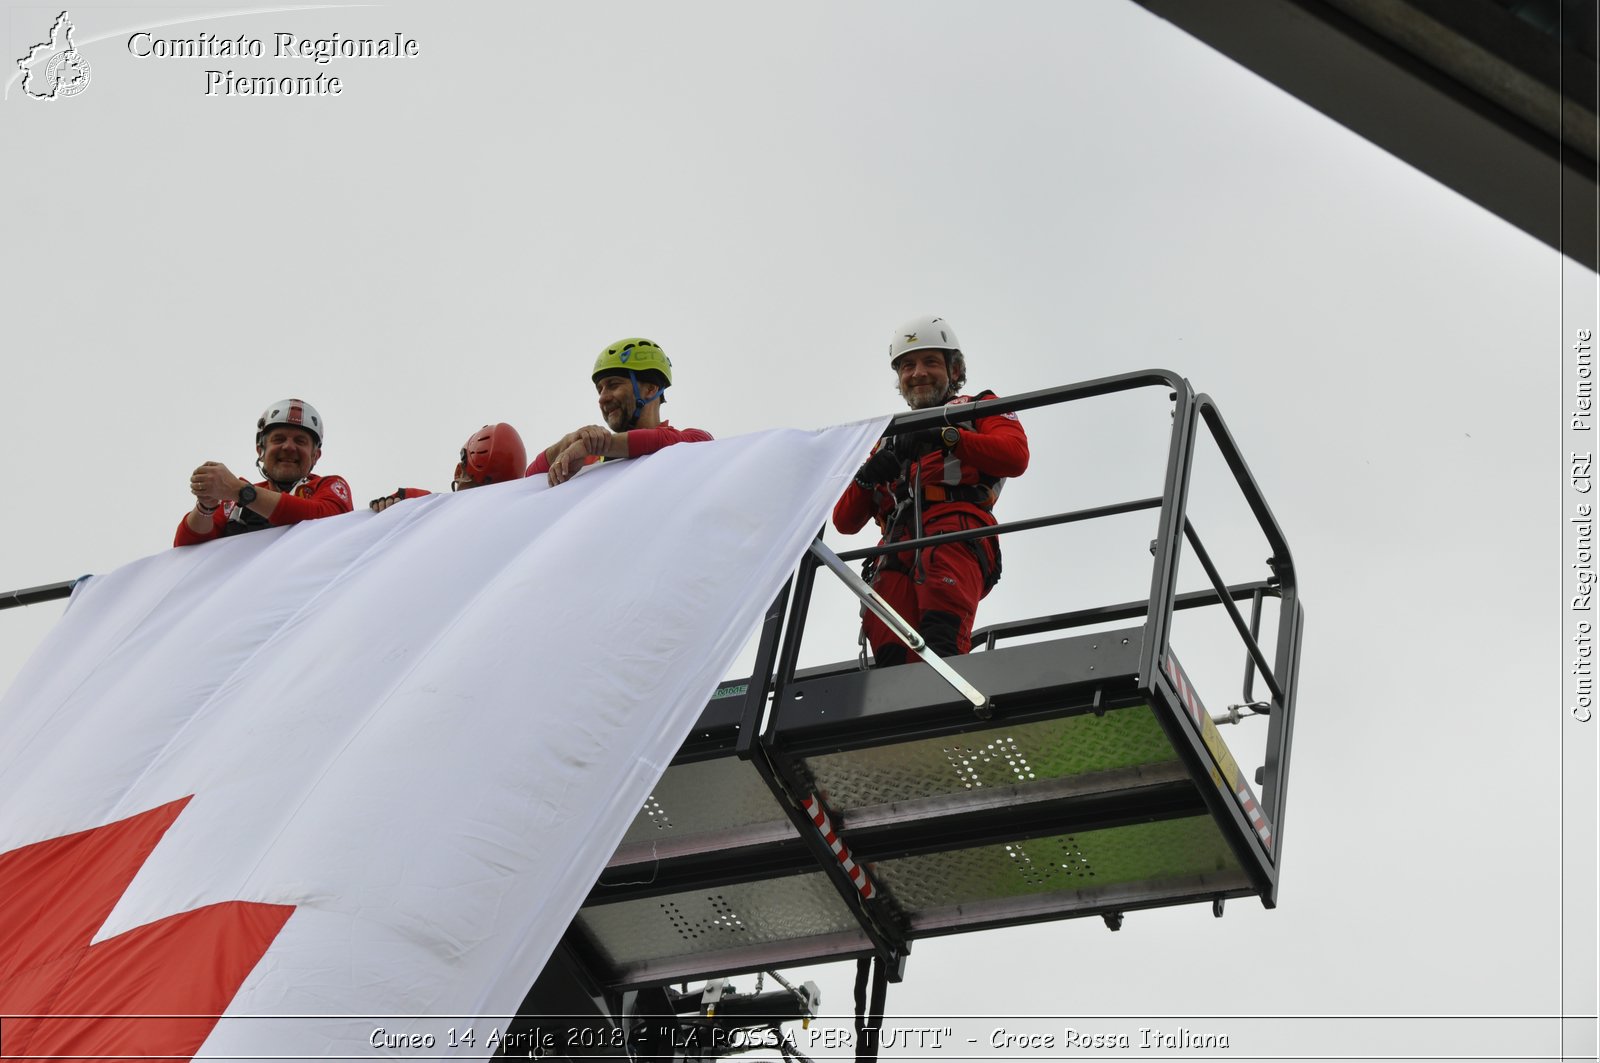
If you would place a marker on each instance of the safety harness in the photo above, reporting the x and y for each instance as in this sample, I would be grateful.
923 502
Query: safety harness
911 500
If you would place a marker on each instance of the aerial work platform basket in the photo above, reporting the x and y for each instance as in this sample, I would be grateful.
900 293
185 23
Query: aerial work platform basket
1069 766
839 812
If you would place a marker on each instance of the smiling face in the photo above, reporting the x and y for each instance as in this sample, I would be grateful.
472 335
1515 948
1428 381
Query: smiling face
288 453
615 394
924 377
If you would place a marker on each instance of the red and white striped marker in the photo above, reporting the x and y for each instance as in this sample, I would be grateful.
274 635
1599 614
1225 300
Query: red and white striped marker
857 873
1258 819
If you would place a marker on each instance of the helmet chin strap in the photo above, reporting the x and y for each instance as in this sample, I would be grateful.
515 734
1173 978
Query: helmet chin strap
639 402
950 389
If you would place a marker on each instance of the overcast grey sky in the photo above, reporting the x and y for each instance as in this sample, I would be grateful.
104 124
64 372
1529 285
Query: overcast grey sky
767 191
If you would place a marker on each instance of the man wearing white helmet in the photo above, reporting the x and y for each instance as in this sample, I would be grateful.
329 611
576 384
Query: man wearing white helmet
958 471
288 444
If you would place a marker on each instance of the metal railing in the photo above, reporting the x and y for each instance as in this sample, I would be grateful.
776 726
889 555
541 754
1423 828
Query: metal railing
778 653
48 592
784 622
779 644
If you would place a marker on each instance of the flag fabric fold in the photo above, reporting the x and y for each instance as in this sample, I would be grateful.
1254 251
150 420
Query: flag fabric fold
420 732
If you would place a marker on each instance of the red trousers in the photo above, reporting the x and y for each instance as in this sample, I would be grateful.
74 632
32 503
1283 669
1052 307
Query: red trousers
952 584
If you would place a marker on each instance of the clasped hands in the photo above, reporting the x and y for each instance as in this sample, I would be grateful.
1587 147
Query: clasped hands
567 453
212 482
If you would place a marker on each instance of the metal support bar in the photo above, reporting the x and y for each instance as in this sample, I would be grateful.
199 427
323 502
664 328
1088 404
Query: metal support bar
906 633
1291 618
1280 729
1234 713
799 608
1105 613
1247 695
965 534
755 698
962 413
886 945
1233 610
1174 499
34 595
1282 559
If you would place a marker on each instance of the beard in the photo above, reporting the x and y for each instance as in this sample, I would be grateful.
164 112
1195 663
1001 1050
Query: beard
926 398
284 472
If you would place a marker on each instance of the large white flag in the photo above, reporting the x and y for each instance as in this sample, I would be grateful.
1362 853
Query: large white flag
368 767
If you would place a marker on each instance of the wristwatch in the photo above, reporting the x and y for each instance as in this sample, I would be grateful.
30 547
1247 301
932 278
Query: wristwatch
949 436
247 495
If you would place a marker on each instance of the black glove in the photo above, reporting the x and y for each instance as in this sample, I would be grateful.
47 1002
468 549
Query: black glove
913 445
881 468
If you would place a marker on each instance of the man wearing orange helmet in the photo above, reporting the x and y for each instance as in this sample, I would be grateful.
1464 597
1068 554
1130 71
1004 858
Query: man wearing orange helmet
491 455
958 472
631 378
288 443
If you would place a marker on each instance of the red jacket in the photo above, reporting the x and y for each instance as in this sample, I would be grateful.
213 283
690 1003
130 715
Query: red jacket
641 441
315 496
991 449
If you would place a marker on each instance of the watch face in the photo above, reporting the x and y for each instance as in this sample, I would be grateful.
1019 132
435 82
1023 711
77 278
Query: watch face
247 495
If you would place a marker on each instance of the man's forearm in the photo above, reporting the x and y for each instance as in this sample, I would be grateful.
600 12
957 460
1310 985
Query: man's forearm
265 502
200 521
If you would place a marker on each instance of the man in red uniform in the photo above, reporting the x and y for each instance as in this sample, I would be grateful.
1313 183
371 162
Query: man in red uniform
631 378
491 455
959 472
288 444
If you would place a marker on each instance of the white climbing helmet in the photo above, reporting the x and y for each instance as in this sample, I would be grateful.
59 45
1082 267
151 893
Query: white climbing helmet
921 333
296 412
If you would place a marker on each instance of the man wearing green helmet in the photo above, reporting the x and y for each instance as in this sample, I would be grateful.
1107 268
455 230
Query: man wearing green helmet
630 378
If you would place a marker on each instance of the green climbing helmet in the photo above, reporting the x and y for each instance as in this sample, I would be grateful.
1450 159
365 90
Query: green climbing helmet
634 355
